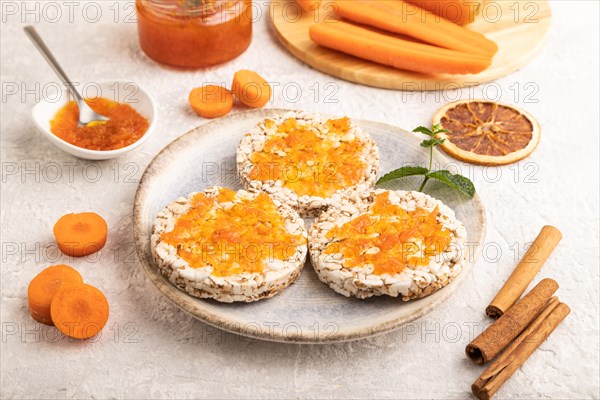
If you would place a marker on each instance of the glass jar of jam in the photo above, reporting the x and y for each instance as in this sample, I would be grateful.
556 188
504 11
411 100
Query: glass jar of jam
194 33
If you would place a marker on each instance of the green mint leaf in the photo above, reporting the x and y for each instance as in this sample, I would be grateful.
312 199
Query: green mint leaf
437 128
423 130
432 142
402 172
429 143
456 181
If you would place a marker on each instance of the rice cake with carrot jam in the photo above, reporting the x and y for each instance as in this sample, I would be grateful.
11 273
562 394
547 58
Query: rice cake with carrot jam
307 161
395 243
229 246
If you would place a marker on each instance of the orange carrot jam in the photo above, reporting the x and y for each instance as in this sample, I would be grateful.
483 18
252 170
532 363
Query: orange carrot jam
124 127
194 33
232 239
389 238
310 163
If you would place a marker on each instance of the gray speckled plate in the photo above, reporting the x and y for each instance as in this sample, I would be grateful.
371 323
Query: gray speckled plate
308 311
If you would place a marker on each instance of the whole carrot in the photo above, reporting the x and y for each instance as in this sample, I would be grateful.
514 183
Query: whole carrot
399 17
390 50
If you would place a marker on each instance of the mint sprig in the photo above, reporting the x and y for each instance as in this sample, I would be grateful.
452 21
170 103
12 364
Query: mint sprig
455 181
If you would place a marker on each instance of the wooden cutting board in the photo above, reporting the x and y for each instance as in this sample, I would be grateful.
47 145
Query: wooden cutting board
518 27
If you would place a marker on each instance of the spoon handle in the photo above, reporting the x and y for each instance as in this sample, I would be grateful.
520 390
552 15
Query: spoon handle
41 46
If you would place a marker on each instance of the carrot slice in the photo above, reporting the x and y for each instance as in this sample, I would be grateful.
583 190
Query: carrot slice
398 17
78 235
79 311
393 51
211 101
44 286
251 89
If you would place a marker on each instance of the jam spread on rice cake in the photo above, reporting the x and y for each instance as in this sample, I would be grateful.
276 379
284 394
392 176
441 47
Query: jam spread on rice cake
389 238
309 161
233 235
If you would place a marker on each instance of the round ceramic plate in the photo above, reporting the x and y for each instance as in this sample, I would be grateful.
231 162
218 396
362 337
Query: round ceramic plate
308 311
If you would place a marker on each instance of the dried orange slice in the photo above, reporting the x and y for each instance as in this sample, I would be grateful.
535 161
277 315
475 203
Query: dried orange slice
487 133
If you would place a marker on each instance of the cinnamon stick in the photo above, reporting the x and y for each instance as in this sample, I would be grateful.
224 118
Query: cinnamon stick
525 271
506 328
500 370
500 362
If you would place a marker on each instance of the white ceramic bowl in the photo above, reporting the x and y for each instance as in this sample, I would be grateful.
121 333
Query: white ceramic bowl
121 91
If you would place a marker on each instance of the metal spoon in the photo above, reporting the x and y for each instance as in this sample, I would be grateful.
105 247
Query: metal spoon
86 114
